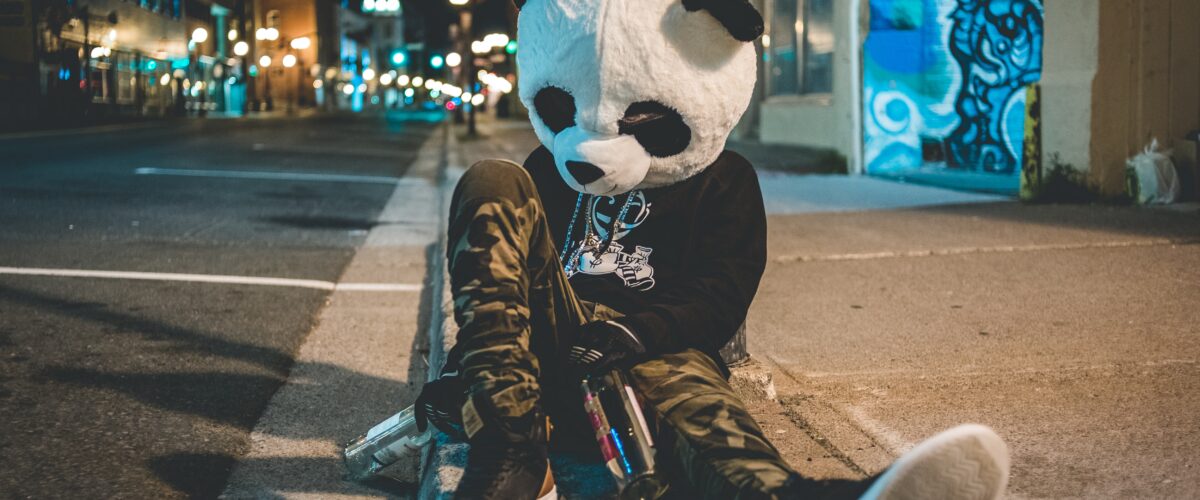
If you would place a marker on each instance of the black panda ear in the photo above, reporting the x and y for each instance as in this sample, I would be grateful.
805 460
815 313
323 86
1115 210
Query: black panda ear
739 17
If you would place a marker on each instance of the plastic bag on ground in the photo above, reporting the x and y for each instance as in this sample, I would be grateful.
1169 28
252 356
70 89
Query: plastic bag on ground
1150 177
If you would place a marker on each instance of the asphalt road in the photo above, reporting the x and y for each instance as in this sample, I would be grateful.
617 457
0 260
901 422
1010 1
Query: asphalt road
149 388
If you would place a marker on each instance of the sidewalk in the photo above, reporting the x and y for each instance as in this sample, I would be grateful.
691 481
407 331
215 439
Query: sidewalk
890 311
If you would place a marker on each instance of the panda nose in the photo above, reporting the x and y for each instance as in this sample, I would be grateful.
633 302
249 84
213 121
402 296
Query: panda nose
583 172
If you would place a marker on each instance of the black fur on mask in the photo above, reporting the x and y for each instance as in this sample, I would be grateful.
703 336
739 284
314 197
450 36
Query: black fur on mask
740 18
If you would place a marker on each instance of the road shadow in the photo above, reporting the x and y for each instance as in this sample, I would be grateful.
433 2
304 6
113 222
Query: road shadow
317 222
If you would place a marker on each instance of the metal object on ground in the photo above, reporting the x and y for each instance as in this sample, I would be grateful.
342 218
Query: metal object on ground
734 353
385 444
624 438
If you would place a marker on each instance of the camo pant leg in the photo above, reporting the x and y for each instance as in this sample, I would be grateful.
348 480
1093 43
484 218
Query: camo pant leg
511 297
706 435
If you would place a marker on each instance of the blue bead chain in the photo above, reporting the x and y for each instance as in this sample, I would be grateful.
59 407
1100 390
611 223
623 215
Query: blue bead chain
570 229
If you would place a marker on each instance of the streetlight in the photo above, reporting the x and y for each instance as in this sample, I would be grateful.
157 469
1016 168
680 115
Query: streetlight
264 62
289 60
240 49
453 59
465 34
200 35
301 43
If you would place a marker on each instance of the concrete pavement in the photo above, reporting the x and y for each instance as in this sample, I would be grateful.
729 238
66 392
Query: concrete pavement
1070 329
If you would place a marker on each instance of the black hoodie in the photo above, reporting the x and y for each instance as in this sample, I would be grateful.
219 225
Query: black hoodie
686 271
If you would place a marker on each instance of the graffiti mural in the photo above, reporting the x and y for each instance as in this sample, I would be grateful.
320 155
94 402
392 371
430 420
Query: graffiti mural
944 83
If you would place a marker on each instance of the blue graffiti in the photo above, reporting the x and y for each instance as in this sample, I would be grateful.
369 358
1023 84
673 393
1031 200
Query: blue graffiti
943 83
998 46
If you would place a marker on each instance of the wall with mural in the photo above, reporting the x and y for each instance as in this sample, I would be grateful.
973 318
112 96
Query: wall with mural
944 84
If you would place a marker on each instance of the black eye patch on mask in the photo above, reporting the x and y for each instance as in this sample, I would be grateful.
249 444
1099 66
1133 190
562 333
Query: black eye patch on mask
659 129
556 108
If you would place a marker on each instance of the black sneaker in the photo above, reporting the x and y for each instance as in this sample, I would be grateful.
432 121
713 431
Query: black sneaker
507 460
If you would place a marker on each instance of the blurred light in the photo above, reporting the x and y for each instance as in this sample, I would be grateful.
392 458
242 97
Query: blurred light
480 47
402 80
233 35
496 40
374 99
399 57
191 45
511 48
97 52
151 65
347 89
409 92
456 101
231 80
200 85
200 35
272 34
408 100
179 73
435 94
362 87
107 51
314 70
253 70
458 2
385 79
477 100
260 34
302 43
436 62
165 80
112 35
241 49
317 84
418 81
483 75
450 105
453 59
766 40
368 74
331 74
265 61
466 96
289 60
187 84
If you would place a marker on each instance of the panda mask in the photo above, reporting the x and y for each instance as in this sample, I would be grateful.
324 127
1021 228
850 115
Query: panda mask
633 94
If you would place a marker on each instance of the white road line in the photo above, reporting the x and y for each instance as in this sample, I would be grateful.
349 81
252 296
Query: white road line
942 252
268 176
213 278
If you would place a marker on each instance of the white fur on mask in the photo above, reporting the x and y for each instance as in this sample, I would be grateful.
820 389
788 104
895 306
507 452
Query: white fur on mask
622 159
609 54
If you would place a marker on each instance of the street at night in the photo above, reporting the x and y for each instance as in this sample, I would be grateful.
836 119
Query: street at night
599 249
150 388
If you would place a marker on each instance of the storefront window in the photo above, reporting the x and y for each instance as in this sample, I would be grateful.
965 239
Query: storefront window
799 47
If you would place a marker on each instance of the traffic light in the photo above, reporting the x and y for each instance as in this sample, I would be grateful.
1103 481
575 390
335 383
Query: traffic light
437 61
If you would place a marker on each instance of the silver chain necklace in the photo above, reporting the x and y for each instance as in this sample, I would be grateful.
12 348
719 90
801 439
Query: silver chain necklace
590 239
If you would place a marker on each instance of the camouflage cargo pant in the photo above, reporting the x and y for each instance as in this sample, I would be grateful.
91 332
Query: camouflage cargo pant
517 313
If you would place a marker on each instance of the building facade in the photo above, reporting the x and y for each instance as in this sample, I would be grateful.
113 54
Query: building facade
940 91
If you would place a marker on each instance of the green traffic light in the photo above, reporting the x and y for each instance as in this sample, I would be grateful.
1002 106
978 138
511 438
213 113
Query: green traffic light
511 47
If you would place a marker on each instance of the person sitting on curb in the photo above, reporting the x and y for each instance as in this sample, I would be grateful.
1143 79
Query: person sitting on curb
631 238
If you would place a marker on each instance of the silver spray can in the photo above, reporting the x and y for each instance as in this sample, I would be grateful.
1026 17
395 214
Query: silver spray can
385 444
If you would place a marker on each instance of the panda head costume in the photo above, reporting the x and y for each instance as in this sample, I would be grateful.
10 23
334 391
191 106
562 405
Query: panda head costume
634 94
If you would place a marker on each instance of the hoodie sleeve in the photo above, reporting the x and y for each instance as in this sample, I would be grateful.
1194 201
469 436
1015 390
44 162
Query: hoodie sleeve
706 308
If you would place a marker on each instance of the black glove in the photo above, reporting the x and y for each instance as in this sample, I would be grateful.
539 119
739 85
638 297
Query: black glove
601 345
440 404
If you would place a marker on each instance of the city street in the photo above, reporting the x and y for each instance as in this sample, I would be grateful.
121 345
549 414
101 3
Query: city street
150 387
287 302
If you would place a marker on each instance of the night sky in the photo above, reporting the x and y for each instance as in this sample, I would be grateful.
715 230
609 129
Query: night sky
429 20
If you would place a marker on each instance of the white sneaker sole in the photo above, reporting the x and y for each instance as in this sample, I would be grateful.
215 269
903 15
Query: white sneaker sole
968 462
550 495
